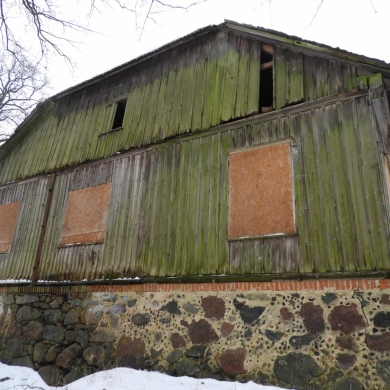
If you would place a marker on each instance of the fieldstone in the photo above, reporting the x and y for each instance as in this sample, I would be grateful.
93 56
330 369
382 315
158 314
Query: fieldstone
346 319
177 340
53 333
214 307
299 341
23 362
39 353
33 330
190 308
201 332
296 369
248 314
68 355
172 308
27 313
382 319
50 374
186 367
349 383
83 339
166 320
345 360
71 335
71 317
114 320
75 303
334 375
196 351
154 353
26 299
11 329
89 302
385 299
103 336
14 348
130 353
8 299
174 356
52 316
313 317
94 355
257 297
379 343
116 309
273 336
94 315
383 369
329 298
226 329
54 304
286 314
73 375
131 302
140 319
232 362
263 378
52 352
345 342
108 297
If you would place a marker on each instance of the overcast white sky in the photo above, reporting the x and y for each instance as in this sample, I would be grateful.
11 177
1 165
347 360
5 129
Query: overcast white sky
360 26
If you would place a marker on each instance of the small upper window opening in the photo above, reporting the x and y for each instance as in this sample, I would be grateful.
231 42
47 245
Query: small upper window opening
119 114
266 78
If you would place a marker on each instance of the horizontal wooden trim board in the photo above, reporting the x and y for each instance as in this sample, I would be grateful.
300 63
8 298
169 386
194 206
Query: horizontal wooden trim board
290 285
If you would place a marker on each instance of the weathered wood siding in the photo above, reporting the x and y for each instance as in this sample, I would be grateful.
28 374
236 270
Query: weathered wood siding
192 87
18 262
168 209
301 78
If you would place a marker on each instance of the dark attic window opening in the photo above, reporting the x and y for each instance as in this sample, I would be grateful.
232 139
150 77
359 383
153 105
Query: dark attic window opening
119 114
266 78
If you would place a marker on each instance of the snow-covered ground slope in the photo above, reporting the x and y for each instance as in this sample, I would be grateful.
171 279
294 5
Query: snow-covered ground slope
22 378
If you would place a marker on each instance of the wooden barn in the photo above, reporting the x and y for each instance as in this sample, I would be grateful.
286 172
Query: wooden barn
236 157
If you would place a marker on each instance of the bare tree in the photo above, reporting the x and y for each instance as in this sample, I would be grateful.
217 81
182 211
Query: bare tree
21 87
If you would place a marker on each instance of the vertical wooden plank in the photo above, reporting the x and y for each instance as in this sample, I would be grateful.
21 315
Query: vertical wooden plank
336 76
295 81
322 77
219 82
231 76
242 77
211 65
309 81
253 79
200 85
281 77
189 92
154 104
161 100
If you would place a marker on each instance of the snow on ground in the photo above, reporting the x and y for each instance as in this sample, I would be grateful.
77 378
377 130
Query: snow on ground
22 378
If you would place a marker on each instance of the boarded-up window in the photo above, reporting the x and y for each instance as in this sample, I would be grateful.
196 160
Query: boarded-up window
86 215
8 218
260 193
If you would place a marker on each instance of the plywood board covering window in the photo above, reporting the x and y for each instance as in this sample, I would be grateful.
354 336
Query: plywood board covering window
8 219
86 215
260 192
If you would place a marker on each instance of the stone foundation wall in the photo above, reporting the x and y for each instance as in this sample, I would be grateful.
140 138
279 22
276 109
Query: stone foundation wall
307 339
